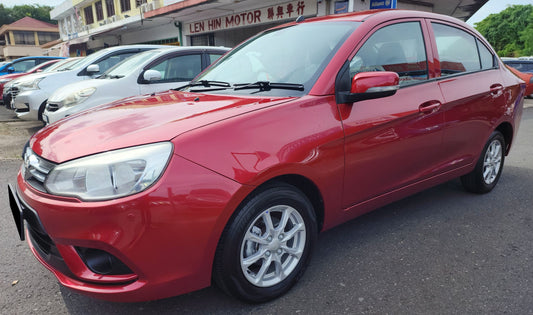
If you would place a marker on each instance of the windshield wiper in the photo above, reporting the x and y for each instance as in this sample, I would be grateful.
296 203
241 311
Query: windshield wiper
207 85
267 86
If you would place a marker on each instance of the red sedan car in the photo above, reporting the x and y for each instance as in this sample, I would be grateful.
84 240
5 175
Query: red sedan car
228 181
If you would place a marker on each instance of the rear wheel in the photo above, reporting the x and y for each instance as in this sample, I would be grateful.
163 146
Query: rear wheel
489 166
266 248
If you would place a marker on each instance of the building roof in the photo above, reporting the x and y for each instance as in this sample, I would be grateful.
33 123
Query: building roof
29 24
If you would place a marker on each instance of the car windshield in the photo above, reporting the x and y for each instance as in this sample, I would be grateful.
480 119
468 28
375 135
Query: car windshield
279 62
129 65
64 64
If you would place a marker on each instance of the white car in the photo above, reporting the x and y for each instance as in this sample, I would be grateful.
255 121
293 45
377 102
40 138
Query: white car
32 91
148 72
8 83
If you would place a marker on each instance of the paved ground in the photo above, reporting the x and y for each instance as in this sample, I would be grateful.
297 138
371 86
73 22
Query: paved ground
14 133
443 251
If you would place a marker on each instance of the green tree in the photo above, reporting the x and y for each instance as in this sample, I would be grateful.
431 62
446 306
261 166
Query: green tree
38 12
510 32
5 15
527 37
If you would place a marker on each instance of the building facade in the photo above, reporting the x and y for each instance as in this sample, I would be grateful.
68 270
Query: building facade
87 25
25 37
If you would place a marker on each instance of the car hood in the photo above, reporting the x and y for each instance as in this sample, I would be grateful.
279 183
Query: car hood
139 120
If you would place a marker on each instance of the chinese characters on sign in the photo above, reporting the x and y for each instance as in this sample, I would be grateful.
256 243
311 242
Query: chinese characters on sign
279 12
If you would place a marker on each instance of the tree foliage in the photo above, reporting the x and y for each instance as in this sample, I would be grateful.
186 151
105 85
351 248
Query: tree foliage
510 32
38 12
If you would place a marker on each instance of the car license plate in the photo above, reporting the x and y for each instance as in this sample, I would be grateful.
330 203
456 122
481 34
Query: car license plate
16 209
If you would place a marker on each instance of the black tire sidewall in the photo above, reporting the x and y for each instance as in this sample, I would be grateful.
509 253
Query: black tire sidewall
227 262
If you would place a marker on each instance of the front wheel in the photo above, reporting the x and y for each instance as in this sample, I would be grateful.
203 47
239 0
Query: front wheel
489 166
40 112
266 248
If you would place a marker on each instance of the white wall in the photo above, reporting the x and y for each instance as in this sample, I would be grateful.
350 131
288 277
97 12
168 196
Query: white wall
164 31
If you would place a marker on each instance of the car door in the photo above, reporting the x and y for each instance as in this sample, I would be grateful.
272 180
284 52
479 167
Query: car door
473 91
394 141
176 71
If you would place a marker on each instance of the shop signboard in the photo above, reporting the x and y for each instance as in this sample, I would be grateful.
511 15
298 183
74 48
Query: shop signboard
382 4
283 12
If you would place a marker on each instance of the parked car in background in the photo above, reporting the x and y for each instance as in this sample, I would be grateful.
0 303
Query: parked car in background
24 64
148 72
38 68
8 82
296 130
32 91
527 77
522 64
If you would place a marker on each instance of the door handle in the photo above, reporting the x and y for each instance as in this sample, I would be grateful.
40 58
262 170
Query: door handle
496 89
429 106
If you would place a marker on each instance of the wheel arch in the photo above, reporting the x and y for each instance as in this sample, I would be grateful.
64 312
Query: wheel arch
304 184
507 131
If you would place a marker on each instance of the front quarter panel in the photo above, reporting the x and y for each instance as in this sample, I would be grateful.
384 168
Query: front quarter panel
302 137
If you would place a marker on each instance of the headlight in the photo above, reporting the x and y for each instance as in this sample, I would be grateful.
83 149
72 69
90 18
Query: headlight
111 174
71 99
4 81
32 84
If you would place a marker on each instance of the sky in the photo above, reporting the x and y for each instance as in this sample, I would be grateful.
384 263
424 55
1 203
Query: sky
492 6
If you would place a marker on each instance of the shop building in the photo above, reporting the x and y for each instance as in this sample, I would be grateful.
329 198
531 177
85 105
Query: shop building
208 22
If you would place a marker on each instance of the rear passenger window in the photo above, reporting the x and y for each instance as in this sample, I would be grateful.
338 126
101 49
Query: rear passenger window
487 59
459 51
398 48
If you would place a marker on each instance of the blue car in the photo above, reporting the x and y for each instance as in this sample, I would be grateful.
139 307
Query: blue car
24 64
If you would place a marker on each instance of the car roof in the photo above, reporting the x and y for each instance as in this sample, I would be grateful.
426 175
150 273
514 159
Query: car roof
191 48
38 57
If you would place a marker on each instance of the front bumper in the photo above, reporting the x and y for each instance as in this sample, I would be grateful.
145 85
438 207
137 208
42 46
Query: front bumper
53 112
166 235
27 104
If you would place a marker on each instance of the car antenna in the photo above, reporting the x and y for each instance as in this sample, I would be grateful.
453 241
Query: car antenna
300 19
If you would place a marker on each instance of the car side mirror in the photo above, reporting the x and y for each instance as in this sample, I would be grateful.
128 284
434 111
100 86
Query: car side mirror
371 85
10 70
152 75
92 69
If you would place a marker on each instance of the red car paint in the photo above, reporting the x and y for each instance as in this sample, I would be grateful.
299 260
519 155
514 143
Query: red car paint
358 156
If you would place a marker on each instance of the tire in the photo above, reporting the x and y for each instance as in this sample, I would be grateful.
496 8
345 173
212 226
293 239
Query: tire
251 255
489 167
41 111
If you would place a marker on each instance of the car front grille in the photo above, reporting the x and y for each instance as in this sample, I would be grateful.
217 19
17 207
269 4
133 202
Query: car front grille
14 91
35 169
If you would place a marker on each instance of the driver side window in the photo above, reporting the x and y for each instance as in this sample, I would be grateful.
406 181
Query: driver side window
398 48
179 69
